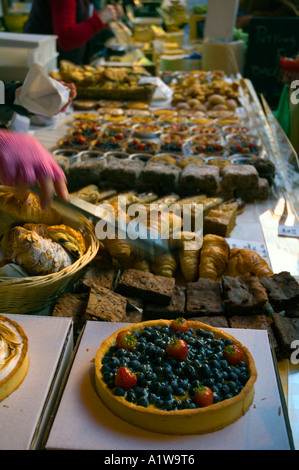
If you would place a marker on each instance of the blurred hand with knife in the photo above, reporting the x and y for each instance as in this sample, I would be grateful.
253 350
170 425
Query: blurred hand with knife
24 163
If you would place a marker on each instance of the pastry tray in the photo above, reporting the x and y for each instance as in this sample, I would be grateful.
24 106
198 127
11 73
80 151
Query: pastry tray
82 421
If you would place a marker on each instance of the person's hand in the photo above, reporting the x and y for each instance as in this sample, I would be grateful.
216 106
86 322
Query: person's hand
73 94
24 162
243 21
111 13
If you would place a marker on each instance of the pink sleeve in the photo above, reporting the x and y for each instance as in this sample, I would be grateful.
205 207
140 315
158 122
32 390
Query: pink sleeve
71 34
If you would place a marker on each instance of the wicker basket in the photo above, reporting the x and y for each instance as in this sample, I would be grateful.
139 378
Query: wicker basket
36 293
141 93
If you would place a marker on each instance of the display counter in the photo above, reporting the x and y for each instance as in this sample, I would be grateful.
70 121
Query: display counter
259 227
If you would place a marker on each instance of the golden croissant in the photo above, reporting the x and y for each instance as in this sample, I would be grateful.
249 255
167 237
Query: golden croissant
37 255
244 260
213 257
165 265
190 245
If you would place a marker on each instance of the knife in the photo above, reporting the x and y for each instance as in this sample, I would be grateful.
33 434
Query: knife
144 245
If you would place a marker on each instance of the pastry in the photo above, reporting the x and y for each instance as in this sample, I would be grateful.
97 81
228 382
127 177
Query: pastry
213 257
160 401
244 260
189 246
221 221
69 238
14 358
26 207
37 255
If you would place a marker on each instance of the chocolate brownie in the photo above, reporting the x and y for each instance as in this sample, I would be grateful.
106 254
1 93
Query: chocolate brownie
219 321
102 277
243 295
83 173
175 308
104 304
199 179
253 322
160 177
239 176
146 286
204 297
71 305
255 193
122 173
282 289
286 331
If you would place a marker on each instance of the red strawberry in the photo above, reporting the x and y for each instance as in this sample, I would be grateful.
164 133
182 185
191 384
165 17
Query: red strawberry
177 348
203 396
124 378
126 340
232 354
179 324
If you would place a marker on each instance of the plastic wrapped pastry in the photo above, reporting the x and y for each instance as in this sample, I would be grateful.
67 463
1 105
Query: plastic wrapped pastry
189 252
37 255
243 260
213 257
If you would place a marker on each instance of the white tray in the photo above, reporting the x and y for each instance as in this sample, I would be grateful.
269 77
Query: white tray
83 422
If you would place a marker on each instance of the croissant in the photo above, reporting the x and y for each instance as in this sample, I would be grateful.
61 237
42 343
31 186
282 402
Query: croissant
244 260
189 252
165 265
213 257
27 207
37 255
140 264
118 248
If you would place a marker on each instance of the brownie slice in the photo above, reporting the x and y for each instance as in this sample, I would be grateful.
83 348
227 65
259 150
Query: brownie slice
199 178
102 277
286 331
243 295
103 304
282 290
255 193
122 173
70 305
146 286
175 308
160 177
253 322
239 176
83 173
204 297
219 321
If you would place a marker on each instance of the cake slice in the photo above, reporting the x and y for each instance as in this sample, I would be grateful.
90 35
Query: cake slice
204 298
105 305
282 289
221 221
243 295
176 307
146 286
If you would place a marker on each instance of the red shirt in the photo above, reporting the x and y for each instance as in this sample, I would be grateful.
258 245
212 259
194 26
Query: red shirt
70 33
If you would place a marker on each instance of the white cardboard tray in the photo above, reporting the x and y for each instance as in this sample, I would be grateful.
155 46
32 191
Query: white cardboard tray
25 413
83 422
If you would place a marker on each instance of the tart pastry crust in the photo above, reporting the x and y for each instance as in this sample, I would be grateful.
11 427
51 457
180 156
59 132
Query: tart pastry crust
14 358
187 421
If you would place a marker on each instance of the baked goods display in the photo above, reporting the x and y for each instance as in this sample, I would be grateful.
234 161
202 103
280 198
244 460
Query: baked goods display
160 375
14 358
